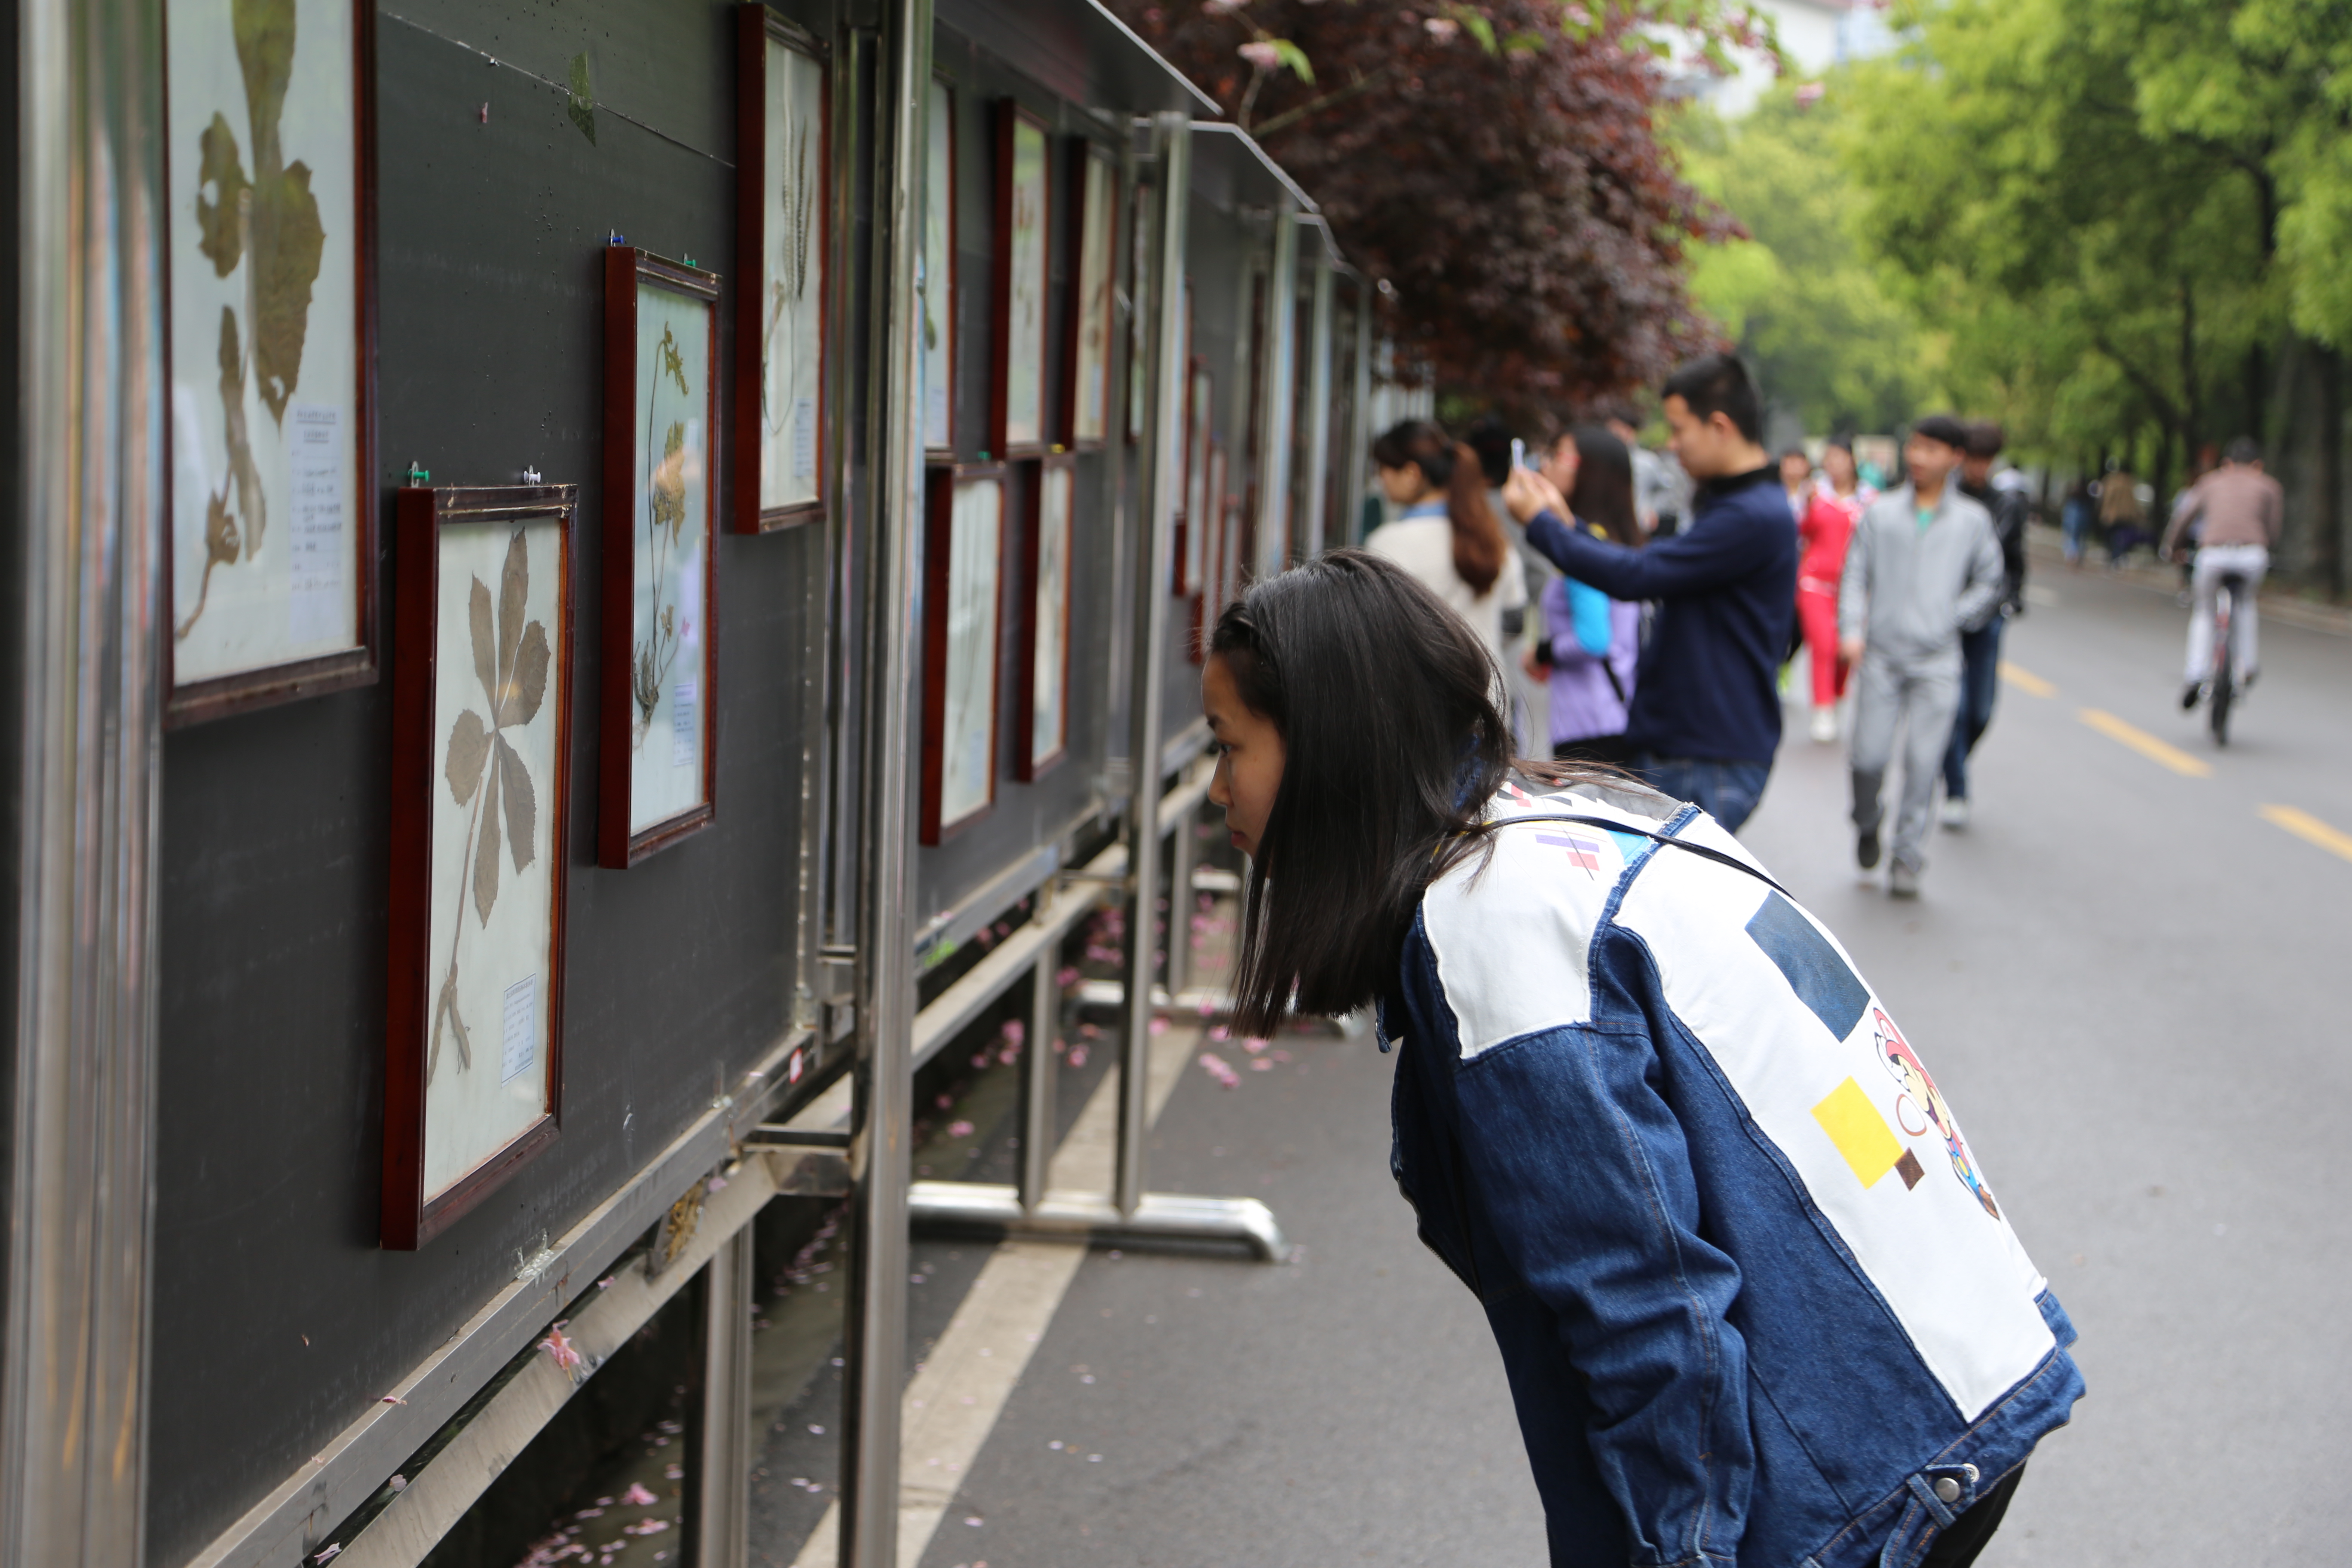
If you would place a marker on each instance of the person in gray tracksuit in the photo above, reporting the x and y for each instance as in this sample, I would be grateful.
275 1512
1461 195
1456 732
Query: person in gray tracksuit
1923 561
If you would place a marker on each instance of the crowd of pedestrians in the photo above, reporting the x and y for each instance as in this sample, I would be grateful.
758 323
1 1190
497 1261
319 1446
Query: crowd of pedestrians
1646 608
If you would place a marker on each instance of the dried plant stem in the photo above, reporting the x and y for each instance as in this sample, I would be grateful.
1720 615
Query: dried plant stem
446 1000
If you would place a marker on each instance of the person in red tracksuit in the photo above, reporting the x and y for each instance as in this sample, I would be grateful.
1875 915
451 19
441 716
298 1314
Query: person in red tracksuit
1822 531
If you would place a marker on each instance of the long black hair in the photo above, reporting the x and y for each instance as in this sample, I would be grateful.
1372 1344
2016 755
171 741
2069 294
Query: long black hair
1392 744
1604 484
1451 467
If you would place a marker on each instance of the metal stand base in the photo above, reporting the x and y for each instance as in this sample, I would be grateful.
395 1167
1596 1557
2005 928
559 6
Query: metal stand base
1091 1216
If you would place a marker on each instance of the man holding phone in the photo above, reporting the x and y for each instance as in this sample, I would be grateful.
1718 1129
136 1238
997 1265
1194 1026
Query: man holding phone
1706 717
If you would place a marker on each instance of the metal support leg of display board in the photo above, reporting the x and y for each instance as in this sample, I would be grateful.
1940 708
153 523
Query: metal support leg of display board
722 1538
875 1329
81 569
1184 854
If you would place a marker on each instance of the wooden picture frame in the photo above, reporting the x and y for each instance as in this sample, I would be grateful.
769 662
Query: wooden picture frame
269 489
938 281
660 557
1018 413
783 251
1041 683
1093 241
481 751
968 507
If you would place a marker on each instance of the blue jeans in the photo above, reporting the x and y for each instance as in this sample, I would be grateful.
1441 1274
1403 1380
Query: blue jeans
1980 684
1726 791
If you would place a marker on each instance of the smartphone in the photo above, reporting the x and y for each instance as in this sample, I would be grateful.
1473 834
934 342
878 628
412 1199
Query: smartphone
1518 453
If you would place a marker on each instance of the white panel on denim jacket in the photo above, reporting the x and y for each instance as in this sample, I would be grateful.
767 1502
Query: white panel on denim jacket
1513 935
1949 1265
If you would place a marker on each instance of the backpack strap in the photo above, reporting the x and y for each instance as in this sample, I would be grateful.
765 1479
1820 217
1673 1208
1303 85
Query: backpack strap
1613 826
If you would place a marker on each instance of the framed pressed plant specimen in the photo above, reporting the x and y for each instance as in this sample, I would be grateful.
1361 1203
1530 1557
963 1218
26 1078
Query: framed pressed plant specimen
1041 687
1199 410
963 568
783 241
1022 184
270 547
481 747
1139 259
657 744
1094 237
937 279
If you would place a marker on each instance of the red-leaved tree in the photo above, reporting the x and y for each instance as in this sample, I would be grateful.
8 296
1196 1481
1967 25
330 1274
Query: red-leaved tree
1499 164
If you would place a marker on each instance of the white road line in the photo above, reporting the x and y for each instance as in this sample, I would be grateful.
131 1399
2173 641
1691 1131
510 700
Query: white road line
954 1400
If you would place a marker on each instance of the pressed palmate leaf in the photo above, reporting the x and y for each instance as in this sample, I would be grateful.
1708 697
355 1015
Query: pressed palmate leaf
514 588
287 238
469 748
486 643
522 803
486 852
528 686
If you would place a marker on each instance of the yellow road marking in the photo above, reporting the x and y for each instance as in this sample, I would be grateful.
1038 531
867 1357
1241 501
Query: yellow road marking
2146 744
2025 680
2305 827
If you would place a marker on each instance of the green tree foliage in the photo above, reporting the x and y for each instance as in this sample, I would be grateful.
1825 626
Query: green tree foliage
1802 296
2099 273
1499 164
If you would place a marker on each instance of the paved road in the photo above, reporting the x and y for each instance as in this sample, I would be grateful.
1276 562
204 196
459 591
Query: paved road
2128 980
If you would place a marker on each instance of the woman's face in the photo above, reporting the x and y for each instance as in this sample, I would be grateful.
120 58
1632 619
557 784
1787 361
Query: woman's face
1838 463
1404 486
1249 757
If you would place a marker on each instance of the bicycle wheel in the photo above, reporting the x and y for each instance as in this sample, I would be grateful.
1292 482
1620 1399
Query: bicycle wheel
2225 675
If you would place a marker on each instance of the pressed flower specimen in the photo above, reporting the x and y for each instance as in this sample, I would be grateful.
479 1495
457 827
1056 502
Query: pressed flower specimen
652 655
485 771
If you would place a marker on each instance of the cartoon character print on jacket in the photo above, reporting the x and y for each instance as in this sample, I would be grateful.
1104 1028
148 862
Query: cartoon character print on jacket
1904 1064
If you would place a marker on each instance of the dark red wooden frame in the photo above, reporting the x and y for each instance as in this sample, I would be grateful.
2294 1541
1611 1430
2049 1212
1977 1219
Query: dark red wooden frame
1009 113
1082 219
407 1220
948 338
938 531
626 270
246 689
755 25
1026 767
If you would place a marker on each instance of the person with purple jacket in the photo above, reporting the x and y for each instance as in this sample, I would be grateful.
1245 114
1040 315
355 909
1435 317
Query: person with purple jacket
1591 644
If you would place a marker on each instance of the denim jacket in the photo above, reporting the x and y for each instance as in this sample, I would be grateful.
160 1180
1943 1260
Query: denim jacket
1755 1298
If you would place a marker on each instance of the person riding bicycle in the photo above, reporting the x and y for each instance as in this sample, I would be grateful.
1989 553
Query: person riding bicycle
2243 509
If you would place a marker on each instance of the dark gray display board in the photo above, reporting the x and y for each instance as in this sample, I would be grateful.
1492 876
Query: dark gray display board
277 1318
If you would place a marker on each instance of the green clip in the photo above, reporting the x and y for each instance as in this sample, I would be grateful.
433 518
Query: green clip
417 477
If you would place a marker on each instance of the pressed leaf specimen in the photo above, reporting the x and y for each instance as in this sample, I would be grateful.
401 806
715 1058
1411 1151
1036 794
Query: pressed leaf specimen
483 770
790 286
269 225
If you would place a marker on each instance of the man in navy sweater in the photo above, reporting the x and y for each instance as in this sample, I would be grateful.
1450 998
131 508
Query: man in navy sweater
1705 715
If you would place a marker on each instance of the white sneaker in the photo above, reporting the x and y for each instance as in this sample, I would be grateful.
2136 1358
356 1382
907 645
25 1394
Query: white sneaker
1955 812
1825 725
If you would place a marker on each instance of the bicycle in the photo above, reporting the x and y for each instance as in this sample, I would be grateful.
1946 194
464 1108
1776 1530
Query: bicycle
2225 674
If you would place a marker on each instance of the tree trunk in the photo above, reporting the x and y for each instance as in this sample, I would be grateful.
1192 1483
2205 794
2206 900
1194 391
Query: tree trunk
2327 493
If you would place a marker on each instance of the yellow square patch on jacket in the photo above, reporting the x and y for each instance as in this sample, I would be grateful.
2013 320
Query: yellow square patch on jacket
1860 1132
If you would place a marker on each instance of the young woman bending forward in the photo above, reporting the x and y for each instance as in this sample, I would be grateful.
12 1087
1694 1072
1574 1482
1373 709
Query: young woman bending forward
1756 1299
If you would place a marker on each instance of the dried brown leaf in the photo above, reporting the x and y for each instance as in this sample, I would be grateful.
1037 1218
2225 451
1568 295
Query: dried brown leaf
486 644
221 241
514 588
522 803
469 748
485 854
458 1029
528 687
